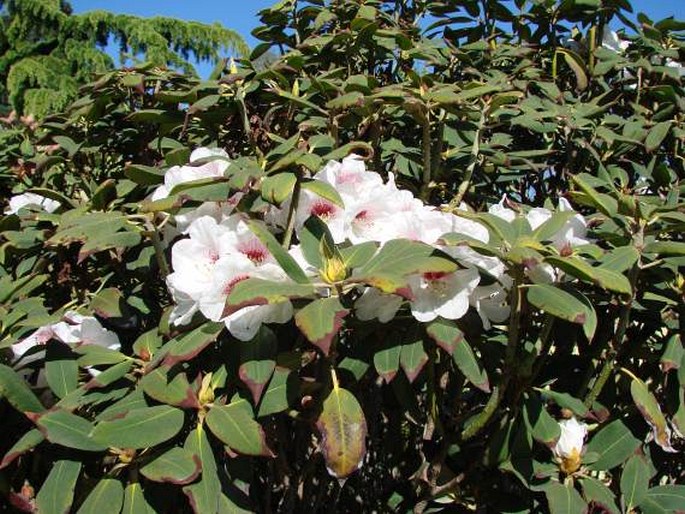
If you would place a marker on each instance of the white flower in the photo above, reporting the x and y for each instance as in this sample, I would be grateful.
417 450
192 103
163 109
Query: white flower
31 201
442 294
181 174
569 447
611 41
491 302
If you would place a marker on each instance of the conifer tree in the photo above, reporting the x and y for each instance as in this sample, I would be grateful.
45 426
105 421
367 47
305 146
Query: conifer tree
47 52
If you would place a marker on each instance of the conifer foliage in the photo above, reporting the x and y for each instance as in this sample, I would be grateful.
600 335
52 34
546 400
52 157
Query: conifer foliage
47 52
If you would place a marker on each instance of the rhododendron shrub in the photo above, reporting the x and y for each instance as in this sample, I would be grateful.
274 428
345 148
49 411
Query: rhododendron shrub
401 268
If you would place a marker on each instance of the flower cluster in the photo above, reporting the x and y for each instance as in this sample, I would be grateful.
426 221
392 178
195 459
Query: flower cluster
221 250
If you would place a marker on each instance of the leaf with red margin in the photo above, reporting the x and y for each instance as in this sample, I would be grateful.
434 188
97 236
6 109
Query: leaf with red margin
189 345
28 441
320 321
413 358
468 364
176 466
387 361
648 406
67 429
234 424
257 291
17 393
203 495
109 376
257 362
172 390
445 333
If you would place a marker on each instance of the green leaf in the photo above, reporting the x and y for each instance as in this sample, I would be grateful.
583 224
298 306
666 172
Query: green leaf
358 255
342 102
257 363
666 248
413 358
176 466
605 278
204 103
134 500
67 429
235 426
313 235
289 265
108 303
613 444
140 428
281 392
647 404
61 369
95 355
620 259
557 302
203 494
189 345
634 481
27 442
147 344
342 426
256 291
387 361
320 321
566 401
110 375
595 492
468 364
564 499
656 135
600 201
169 388
576 64
673 355
57 493
144 175
544 427
445 333
324 190
17 393
106 497
664 499
276 189
389 268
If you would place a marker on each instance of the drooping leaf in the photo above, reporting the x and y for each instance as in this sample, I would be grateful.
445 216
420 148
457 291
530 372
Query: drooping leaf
171 389
413 358
176 466
278 188
106 497
342 426
387 361
656 135
321 320
566 401
135 501
647 404
445 333
256 291
599 495
189 345
26 443
257 363
140 428
61 369
544 427
603 277
468 364
557 302
57 493
236 427
281 392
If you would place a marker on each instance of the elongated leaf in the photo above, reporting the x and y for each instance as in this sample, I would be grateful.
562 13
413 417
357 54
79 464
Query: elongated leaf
176 466
134 500
257 363
67 429
17 393
647 404
109 376
203 494
236 427
557 302
445 333
61 369
106 498
634 481
320 321
358 255
172 389
28 441
468 364
620 259
664 499
191 344
283 258
413 358
324 190
614 444
281 392
566 401
666 248
564 499
544 427
108 303
140 428
656 135
387 361
604 203
256 291
595 492
278 188
605 278
342 426
57 492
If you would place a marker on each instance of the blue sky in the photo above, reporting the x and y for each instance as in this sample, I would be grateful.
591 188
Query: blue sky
241 15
